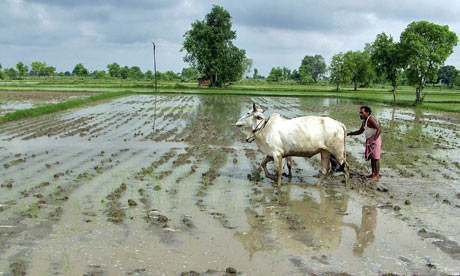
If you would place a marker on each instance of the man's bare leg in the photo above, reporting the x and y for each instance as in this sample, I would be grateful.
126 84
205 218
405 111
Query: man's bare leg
372 175
377 169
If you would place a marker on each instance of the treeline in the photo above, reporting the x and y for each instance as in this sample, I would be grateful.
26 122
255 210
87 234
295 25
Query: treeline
417 59
114 71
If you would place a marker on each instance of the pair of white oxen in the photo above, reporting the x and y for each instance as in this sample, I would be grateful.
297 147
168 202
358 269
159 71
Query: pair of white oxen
279 138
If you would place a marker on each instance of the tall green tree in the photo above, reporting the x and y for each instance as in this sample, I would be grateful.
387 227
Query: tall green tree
80 71
387 59
304 74
449 75
22 69
426 46
114 70
359 66
315 66
210 50
340 72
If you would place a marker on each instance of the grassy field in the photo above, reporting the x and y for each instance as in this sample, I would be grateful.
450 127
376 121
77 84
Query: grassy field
437 98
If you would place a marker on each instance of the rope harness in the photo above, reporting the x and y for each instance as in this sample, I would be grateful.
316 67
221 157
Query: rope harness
258 128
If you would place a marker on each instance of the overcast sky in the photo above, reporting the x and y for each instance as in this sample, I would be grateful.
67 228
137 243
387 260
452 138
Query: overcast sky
274 33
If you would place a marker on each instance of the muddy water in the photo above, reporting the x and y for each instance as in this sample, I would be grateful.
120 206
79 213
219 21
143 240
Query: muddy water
163 185
11 101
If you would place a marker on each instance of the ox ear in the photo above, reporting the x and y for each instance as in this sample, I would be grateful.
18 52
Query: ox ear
254 107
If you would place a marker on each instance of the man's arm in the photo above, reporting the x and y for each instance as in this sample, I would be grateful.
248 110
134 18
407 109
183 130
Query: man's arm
361 130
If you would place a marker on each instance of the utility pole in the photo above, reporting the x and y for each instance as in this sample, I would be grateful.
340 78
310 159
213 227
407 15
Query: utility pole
155 105
155 66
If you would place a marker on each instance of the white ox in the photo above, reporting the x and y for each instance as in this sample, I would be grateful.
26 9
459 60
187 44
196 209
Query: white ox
307 136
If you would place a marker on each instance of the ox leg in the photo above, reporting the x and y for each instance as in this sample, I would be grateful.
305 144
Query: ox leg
324 166
289 165
278 160
346 173
263 165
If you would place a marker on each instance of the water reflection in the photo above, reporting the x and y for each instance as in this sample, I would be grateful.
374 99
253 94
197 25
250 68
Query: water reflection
297 221
364 233
214 119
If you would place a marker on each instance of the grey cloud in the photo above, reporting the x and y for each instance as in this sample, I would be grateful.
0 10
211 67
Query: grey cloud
138 4
98 32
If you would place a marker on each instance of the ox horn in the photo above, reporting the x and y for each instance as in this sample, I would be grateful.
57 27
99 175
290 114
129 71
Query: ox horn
254 107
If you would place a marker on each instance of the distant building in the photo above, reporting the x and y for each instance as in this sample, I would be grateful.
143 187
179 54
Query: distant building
204 82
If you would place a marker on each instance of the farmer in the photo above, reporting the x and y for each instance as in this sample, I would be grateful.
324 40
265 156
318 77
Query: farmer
372 130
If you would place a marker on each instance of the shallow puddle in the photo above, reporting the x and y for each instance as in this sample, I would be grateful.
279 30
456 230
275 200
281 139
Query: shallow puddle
163 185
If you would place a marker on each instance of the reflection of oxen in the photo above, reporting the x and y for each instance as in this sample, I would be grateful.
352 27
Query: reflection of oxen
300 225
307 136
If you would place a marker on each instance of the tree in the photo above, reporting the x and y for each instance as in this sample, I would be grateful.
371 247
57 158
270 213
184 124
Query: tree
448 75
49 70
304 75
2 74
189 74
340 73
124 72
426 46
276 75
256 73
359 65
149 75
210 50
38 68
114 70
170 76
100 74
316 66
11 73
80 71
247 65
387 59
136 73
22 69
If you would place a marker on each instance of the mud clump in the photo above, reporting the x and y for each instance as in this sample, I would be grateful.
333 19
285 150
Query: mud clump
132 203
18 268
230 270
156 220
94 270
187 222
8 185
190 273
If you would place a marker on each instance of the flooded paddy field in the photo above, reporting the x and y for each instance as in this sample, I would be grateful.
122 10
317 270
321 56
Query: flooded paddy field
11 101
164 185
